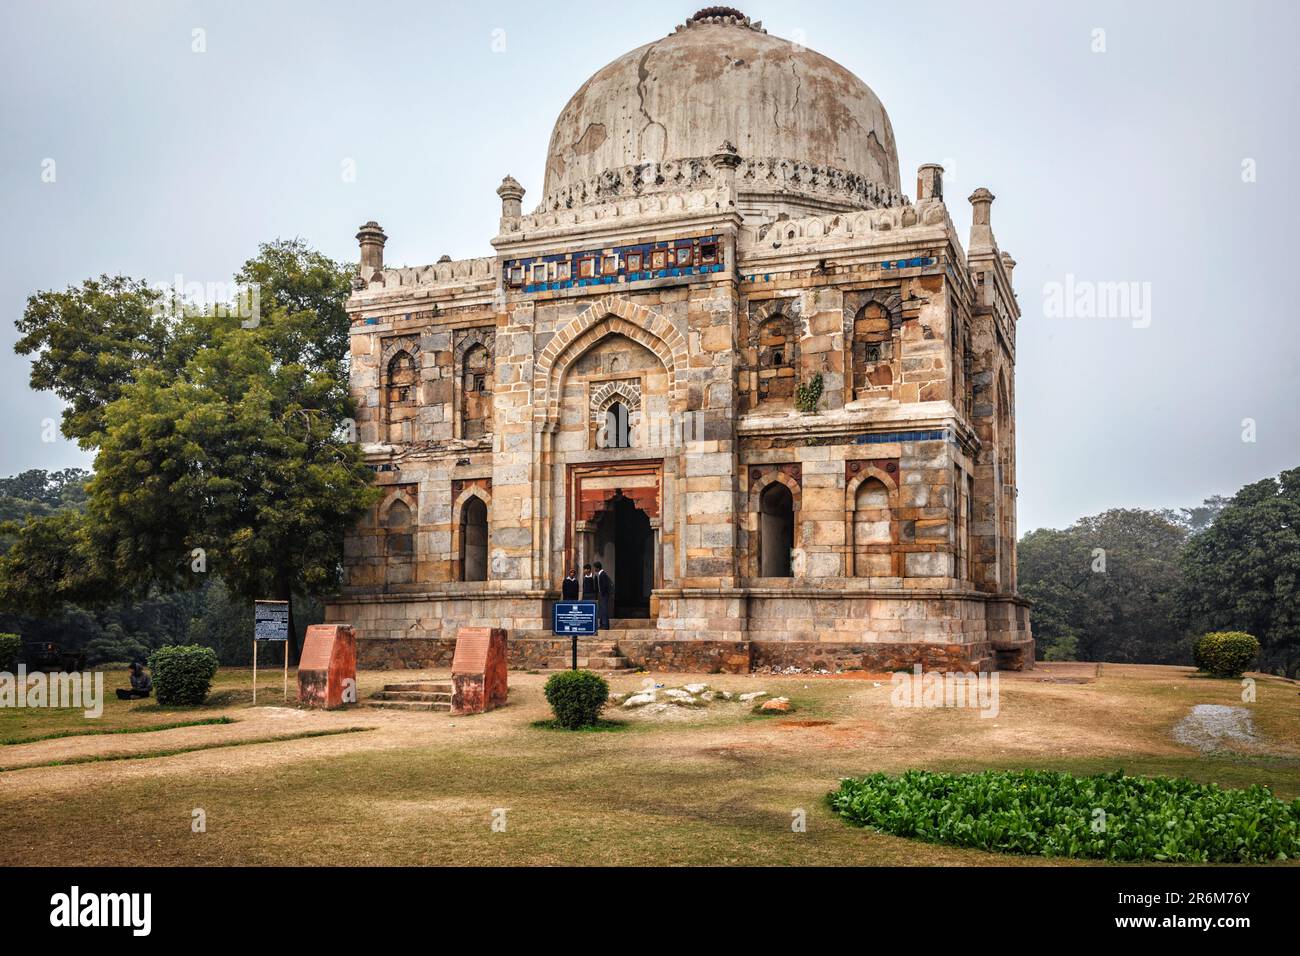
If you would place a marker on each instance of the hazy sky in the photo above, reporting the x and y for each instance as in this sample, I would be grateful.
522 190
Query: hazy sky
1117 166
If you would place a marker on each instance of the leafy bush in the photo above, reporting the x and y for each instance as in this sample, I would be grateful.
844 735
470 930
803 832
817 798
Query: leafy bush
1104 817
576 698
9 645
1225 653
806 397
182 675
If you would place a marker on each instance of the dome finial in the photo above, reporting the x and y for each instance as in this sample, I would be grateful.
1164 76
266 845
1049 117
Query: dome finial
723 15
708 12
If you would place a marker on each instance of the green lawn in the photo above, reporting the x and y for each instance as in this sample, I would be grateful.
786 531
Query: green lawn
718 787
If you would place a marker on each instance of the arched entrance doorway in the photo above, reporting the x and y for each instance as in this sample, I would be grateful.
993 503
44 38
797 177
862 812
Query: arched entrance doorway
776 531
474 540
624 544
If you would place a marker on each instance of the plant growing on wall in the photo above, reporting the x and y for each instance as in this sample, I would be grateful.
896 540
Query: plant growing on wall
807 397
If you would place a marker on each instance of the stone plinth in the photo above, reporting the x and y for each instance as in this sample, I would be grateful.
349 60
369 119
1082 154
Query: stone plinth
327 670
478 670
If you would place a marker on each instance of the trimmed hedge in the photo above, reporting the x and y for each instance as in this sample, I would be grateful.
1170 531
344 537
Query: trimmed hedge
10 644
1105 817
1225 653
576 698
182 674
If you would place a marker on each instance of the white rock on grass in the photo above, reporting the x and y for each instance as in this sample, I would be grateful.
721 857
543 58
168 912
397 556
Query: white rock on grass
677 694
695 688
746 698
639 700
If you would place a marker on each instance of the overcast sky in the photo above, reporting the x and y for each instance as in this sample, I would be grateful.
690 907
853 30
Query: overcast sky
1120 156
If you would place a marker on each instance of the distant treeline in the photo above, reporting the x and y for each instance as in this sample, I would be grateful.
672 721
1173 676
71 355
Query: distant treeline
1128 585
1135 586
129 630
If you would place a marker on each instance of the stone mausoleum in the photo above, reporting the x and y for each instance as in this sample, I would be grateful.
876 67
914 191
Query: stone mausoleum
727 357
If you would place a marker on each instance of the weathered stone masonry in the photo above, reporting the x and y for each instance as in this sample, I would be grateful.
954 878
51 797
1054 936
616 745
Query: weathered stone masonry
619 383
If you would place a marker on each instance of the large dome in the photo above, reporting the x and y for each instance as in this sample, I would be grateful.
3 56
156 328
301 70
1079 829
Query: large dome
810 134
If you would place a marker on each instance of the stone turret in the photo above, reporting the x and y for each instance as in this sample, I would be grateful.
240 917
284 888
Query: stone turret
929 182
725 160
981 229
372 241
512 199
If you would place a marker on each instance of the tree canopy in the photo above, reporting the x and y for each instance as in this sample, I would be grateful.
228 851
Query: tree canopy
224 444
1106 588
1241 573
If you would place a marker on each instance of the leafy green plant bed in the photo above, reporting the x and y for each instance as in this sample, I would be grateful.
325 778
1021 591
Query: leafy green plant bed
1105 817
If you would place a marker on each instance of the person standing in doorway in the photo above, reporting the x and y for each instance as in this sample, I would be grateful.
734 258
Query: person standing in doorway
570 586
588 584
605 590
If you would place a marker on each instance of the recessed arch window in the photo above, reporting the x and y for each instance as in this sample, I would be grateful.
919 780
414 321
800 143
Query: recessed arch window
476 393
872 347
776 359
617 432
399 395
398 524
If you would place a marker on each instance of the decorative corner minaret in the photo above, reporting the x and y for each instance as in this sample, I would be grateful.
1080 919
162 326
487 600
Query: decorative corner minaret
372 241
512 200
725 161
929 182
981 228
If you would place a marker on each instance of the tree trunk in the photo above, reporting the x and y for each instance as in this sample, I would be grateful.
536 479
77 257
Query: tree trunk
291 646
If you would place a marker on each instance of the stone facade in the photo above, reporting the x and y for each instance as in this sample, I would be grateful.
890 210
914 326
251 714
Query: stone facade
621 383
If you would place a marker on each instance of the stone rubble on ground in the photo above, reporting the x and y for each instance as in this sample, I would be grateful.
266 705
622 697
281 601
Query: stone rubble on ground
691 695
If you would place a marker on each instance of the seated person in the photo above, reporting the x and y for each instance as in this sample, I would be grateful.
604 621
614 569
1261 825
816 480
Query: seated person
141 683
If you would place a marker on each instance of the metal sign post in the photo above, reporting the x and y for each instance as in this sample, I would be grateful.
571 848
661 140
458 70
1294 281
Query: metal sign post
271 625
576 619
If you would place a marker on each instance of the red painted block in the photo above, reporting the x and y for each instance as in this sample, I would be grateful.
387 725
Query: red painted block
478 670
327 669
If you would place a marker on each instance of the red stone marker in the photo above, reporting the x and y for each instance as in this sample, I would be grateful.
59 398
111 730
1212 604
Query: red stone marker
328 662
478 670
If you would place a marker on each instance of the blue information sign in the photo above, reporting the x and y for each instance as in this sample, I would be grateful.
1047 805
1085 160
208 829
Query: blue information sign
271 620
574 618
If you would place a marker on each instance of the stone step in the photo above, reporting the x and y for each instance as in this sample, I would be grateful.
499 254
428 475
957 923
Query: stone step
610 660
555 668
414 695
424 687
409 705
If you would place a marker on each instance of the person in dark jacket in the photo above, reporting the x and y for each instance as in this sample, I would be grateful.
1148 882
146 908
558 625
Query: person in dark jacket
605 589
588 584
141 684
570 586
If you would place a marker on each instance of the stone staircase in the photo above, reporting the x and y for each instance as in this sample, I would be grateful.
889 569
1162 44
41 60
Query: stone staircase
594 654
419 695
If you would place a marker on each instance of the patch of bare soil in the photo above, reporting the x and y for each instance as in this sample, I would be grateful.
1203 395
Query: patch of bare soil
1215 727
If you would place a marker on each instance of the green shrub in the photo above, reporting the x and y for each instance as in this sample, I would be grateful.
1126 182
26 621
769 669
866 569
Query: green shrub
9 645
1105 817
807 397
576 698
182 675
1225 653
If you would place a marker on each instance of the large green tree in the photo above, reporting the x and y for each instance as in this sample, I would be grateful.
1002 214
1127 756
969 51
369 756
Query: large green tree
1242 573
1107 588
224 441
